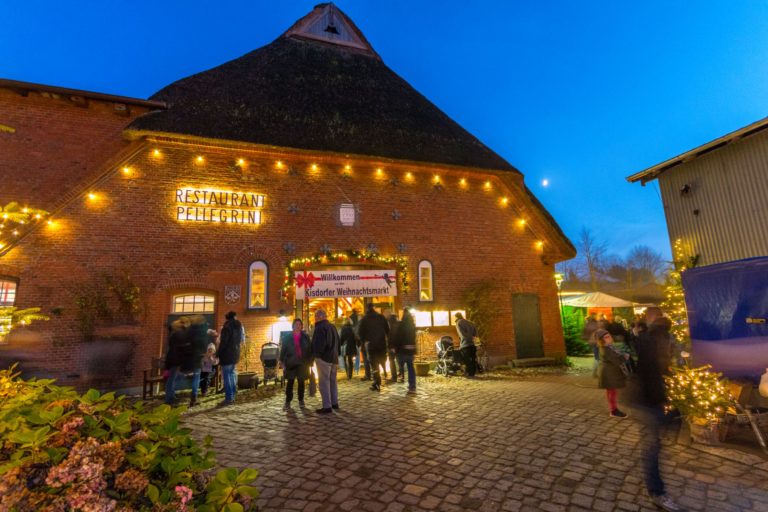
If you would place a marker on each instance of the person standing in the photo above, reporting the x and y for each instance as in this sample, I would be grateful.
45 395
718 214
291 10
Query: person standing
177 339
647 395
295 354
374 330
467 332
229 355
363 359
405 347
611 374
208 364
587 334
325 349
191 354
392 353
348 347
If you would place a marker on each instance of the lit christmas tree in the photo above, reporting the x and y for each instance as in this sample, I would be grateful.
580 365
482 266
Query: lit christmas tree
674 303
698 393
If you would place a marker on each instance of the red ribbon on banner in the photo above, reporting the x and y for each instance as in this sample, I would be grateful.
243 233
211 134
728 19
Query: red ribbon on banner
305 280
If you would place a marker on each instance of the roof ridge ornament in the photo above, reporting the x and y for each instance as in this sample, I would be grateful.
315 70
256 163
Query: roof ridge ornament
328 24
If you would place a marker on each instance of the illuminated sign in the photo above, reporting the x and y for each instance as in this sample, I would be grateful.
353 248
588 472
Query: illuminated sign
206 205
345 283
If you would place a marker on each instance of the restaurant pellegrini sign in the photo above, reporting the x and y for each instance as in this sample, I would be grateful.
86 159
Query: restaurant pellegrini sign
345 283
207 205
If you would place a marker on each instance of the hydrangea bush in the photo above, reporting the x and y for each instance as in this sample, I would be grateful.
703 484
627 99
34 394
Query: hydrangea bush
62 451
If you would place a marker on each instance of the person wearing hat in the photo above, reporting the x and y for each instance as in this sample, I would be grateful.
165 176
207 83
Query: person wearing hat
612 371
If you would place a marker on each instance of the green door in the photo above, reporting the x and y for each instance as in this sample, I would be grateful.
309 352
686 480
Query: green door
527 319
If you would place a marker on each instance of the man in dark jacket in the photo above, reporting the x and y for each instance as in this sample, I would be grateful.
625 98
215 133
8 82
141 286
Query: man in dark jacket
325 348
467 332
374 330
229 354
647 395
348 347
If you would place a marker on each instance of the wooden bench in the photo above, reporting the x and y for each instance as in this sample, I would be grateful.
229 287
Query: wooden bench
152 376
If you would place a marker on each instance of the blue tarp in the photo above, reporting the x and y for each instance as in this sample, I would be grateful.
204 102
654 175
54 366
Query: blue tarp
721 300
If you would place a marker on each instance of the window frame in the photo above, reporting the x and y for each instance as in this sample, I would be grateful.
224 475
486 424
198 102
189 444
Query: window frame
193 294
265 267
423 264
14 280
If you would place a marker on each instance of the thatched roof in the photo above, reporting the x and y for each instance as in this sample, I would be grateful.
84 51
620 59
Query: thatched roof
320 86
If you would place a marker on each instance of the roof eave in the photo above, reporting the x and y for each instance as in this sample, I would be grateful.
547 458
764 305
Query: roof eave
651 173
133 134
64 91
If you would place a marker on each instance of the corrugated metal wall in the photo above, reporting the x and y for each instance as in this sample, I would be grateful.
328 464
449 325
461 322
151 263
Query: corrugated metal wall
729 189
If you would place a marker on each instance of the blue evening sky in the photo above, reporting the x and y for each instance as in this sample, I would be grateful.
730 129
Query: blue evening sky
580 93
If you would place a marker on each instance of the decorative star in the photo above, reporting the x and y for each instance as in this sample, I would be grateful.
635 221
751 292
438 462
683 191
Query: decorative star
289 247
401 247
439 186
394 182
293 209
325 248
396 215
292 171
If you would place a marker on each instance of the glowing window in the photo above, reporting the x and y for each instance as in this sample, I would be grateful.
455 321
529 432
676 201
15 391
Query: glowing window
7 292
7 300
193 303
426 278
440 318
258 275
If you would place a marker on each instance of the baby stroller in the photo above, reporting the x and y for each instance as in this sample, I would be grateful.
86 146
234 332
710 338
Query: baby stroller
269 355
448 357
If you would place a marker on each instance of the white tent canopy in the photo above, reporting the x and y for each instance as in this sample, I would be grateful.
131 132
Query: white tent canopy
596 300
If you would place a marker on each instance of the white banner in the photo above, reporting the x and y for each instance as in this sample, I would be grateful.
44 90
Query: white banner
345 283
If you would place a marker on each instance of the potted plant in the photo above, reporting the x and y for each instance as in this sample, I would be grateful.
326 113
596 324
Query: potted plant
247 379
702 398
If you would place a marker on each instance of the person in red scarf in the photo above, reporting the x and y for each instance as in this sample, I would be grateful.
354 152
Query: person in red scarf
295 355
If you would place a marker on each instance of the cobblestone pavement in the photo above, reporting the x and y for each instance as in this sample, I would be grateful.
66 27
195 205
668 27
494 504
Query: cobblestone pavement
488 444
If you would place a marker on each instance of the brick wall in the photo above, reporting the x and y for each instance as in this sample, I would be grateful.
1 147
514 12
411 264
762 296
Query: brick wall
465 231
55 145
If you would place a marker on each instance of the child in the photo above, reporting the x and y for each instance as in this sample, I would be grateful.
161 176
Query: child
209 361
611 372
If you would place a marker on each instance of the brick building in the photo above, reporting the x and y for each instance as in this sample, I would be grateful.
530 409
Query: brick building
306 156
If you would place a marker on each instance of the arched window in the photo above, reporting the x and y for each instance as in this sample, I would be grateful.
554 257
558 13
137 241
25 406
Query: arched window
193 303
258 281
426 281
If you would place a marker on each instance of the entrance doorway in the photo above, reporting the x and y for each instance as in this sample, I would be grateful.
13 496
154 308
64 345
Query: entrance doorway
339 309
527 320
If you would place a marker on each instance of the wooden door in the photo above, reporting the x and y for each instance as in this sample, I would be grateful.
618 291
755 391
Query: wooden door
527 320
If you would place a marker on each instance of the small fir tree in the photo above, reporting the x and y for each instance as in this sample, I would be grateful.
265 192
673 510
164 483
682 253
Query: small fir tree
698 393
674 302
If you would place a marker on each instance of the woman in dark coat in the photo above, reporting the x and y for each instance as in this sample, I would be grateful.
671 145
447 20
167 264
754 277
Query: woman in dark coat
611 371
177 341
405 347
295 356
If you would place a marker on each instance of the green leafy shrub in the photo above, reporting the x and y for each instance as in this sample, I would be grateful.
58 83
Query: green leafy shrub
99 452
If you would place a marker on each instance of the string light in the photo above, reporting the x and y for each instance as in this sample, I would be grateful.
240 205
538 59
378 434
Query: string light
521 222
199 160
437 178
487 185
379 171
279 164
463 182
241 162
401 262
126 170
156 153
91 196
314 167
504 201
